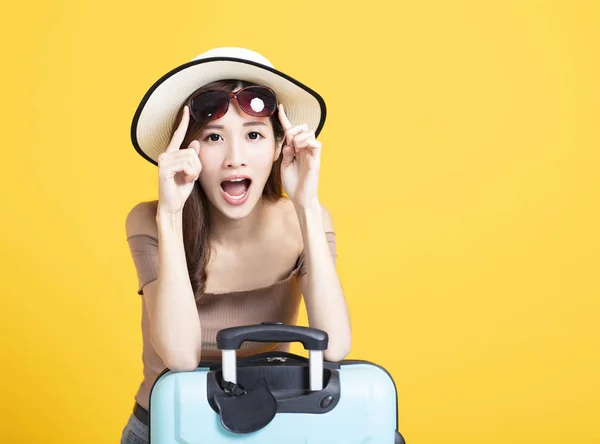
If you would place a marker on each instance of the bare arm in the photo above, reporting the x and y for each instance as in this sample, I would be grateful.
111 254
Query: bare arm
174 323
323 295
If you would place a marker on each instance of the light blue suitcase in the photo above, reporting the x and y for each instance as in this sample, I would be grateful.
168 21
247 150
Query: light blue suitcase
275 397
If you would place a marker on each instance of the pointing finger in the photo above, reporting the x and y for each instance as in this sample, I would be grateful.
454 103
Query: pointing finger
283 118
179 133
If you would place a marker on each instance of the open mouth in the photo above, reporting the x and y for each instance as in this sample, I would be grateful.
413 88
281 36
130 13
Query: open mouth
236 189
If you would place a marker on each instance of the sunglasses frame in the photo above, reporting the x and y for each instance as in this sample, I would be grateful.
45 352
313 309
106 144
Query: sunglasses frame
230 96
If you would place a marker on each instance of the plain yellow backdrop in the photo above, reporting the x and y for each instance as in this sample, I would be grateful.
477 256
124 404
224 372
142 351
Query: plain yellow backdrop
460 163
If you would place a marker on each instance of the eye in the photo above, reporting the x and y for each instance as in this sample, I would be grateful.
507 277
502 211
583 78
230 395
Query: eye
214 137
254 135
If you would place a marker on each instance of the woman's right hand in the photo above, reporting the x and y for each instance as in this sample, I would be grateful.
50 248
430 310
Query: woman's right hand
178 169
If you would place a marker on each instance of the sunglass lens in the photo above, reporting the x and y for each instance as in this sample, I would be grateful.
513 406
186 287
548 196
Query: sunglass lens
209 105
257 101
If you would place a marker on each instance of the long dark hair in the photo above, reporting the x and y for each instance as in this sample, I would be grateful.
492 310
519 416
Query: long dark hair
196 223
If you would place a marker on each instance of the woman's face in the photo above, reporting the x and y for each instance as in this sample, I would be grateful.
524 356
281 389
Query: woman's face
236 144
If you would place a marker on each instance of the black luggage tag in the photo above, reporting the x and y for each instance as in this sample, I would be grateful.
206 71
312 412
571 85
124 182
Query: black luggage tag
246 410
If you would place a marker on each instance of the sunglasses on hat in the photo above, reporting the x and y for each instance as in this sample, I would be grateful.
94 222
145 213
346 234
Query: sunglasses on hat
257 101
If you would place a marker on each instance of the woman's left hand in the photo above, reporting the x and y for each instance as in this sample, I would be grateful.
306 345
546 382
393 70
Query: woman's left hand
301 163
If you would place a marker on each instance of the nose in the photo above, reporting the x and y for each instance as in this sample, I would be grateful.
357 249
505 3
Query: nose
235 156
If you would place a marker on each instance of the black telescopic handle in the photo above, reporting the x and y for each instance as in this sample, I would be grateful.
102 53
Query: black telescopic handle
311 338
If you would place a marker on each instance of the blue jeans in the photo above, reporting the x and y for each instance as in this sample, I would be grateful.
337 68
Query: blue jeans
135 432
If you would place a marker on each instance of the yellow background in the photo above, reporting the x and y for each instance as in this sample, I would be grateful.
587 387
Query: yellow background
460 163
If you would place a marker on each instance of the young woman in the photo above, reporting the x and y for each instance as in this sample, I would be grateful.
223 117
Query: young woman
223 246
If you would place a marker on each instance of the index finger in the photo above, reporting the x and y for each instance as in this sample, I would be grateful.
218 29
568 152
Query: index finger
179 133
283 118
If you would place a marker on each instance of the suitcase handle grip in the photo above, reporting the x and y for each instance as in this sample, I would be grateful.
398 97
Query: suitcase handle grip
229 340
311 338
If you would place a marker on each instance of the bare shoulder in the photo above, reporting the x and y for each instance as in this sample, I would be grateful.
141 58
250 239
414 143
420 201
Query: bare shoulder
286 224
291 224
141 219
292 216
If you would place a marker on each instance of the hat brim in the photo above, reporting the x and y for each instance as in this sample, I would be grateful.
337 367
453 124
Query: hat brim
156 113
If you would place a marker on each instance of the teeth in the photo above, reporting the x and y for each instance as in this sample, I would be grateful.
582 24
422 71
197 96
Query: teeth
236 180
236 197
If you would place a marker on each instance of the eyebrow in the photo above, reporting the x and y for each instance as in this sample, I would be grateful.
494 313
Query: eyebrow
245 124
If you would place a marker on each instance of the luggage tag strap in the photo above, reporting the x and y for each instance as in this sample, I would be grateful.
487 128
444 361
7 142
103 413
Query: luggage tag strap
234 389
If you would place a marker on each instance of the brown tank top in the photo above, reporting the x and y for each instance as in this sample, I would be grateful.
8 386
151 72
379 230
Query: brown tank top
278 302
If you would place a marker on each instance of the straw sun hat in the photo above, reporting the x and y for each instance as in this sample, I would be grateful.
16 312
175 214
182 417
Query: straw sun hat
156 113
